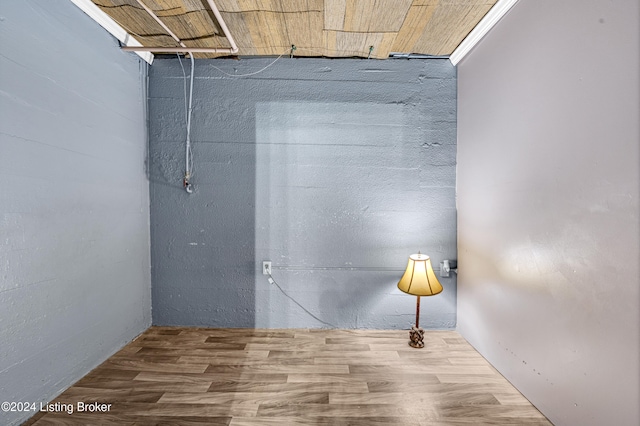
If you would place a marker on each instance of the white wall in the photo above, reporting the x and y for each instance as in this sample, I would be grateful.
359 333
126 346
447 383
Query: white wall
548 184
74 209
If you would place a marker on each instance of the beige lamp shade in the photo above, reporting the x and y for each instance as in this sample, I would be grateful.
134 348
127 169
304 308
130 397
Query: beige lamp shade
419 278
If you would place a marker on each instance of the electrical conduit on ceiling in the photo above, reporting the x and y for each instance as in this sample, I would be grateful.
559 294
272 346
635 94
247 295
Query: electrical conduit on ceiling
183 48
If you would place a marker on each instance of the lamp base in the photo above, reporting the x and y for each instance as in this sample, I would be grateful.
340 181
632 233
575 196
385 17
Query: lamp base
416 337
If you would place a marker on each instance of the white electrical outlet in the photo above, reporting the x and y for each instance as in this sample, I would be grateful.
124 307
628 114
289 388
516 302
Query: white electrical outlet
445 269
266 267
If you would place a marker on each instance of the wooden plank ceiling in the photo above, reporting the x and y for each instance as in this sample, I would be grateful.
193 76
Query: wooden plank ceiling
330 28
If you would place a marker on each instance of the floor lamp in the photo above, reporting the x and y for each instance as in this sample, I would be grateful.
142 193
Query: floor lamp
419 280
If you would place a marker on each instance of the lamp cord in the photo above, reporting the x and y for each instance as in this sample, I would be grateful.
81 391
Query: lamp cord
272 281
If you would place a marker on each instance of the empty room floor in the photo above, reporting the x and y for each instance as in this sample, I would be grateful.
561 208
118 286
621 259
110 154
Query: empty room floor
188 376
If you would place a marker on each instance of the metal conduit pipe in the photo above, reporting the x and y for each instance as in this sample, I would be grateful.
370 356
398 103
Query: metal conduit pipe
159 21
216 13
223 25
178 49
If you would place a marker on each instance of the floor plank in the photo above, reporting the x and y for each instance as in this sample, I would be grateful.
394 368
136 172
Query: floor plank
241 377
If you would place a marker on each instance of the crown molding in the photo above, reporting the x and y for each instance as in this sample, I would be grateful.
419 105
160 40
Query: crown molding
106 22
484 26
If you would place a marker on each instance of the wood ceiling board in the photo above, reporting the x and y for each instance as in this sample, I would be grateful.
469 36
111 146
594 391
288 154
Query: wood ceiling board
191 21
356 44
296 24
234 18
249 5
465 24
273 5
268 32
227 6
196 27
166 7
316 24
342 44
382 49
301 5
358 15
334 11
448 26
414 26
347 44
452 2
333 28
185 5
388 15
136 21
277 26
330 42
375 16
193 26
241 33
380 46
305 32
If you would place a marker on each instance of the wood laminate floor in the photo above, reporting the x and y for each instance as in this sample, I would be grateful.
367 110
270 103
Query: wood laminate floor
241 377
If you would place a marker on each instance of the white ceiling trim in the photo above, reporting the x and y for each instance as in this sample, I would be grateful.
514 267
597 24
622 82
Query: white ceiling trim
112 26
484 26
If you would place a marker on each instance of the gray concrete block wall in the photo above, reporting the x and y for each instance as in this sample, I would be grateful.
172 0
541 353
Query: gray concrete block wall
335 170
74 205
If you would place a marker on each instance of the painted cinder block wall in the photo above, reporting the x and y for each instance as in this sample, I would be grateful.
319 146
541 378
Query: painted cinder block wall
548 187
74 207
335 170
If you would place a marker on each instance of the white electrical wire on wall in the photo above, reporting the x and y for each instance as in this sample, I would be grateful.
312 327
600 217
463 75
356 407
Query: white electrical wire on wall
272 281
188 109
188 153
